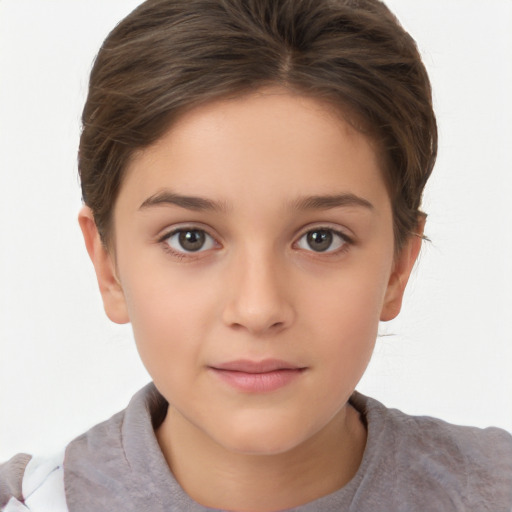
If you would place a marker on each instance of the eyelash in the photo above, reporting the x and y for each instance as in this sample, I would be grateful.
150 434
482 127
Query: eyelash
181 255
347 241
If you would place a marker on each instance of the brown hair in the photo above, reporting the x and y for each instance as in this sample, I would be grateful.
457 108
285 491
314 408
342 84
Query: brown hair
171 55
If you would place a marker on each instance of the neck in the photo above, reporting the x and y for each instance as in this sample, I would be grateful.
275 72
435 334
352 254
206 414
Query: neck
227 480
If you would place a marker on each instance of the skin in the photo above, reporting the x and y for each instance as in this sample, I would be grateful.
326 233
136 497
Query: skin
256 290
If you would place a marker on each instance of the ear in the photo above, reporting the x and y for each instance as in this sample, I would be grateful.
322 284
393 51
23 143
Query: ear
402 268
104 265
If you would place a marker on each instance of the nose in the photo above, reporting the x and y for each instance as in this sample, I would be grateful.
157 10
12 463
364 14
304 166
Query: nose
258 298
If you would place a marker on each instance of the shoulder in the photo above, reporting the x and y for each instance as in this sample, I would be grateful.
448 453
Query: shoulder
11 478
32 483
488 449
102 466
467 466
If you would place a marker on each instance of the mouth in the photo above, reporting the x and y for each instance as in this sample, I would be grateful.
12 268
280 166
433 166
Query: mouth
257 376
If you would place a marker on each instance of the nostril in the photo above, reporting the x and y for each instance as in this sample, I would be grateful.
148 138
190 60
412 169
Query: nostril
274 326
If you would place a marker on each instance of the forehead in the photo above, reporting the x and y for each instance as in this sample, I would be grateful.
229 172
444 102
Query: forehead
273 143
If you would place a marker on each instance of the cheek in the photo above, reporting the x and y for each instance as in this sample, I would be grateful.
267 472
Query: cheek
170 316
349 299
345 315
349 331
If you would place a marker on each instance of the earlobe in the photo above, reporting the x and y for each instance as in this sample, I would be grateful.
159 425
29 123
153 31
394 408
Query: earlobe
402 269
104 266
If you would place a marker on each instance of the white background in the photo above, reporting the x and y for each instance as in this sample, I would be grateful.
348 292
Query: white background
64 367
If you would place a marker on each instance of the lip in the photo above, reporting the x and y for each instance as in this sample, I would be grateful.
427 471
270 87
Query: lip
257 376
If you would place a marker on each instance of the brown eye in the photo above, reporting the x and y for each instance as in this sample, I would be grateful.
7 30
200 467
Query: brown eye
319 241
322 240
190 240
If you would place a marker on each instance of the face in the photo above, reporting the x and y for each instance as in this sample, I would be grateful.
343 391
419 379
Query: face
254 258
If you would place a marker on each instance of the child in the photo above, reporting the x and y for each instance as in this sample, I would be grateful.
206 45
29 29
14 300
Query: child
252 173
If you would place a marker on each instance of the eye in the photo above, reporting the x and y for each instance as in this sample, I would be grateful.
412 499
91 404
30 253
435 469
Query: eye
189 240
322 240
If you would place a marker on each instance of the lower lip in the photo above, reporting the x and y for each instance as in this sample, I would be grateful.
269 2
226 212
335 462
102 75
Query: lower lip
258 382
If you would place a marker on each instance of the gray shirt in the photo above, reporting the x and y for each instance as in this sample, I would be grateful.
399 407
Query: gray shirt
409 464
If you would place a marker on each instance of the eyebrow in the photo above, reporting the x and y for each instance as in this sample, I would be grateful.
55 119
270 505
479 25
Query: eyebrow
315 202
166 197
325 202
